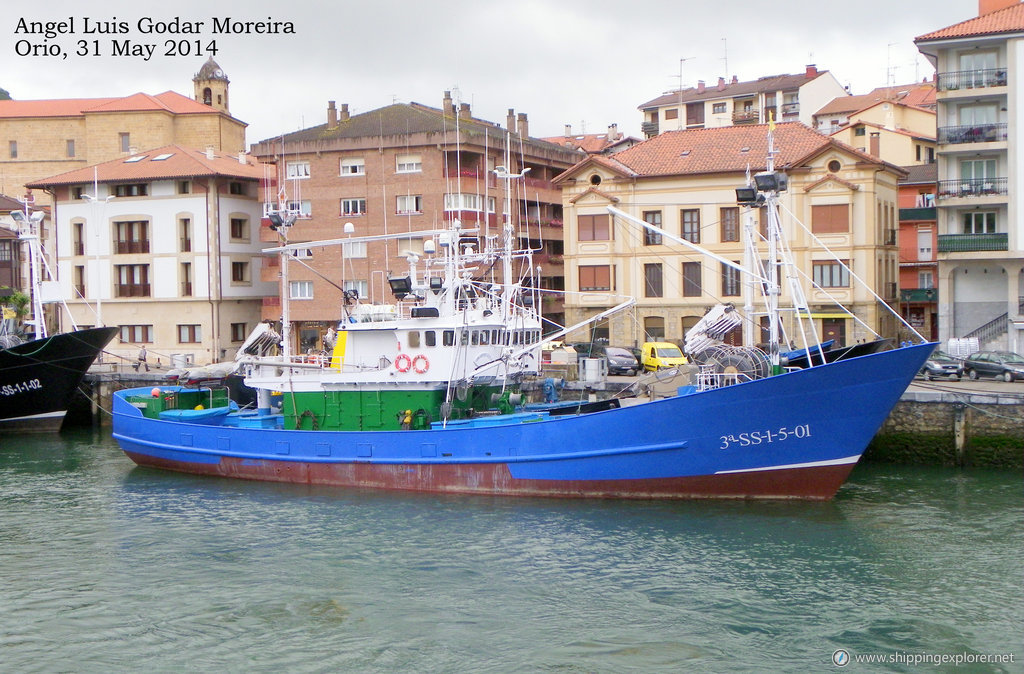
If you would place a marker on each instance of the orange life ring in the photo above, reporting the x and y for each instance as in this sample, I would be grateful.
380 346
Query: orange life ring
403 362
420 364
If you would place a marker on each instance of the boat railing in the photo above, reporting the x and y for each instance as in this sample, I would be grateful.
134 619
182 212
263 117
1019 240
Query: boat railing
708 379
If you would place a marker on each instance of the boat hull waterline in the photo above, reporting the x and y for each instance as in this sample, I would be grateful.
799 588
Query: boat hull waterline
795 435
39 378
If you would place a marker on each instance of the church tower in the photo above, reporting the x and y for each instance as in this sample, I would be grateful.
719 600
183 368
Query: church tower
211 85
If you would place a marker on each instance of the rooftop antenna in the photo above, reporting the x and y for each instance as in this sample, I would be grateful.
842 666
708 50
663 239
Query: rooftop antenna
725 56
890 74
679 115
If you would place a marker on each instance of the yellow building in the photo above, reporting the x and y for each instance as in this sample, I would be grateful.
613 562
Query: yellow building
43 138
684 182
899 133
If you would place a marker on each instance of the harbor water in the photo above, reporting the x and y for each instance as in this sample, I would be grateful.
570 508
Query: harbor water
106 567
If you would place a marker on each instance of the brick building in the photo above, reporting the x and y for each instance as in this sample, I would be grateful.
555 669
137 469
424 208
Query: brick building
404 168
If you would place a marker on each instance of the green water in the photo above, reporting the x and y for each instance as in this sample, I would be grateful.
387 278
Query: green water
108 567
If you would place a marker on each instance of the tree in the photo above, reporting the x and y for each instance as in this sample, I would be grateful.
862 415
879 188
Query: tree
4 96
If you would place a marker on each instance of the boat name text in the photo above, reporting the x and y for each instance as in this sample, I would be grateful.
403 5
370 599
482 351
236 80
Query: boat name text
21 387
765 437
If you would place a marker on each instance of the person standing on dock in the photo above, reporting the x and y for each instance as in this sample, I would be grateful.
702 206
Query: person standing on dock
141 360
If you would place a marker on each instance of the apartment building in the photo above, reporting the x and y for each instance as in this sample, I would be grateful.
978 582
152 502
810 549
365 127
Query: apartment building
896 132
164 244
980 99
919 267
837 112
684 182
786 98
405 167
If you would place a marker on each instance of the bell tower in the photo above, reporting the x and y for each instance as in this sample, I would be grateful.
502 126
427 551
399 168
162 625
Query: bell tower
211 86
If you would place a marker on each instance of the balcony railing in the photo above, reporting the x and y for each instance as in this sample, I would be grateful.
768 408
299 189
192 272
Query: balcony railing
919 295
649 128
790 109
746 115
972 79
186 289
79 248
968 243
125 247
971 187
186 245
132 289
972 133
911 214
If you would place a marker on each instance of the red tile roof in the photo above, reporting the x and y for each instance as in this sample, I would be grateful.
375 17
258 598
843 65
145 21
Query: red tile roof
731 89
921 94
1008 20
169 101
182 163
721 150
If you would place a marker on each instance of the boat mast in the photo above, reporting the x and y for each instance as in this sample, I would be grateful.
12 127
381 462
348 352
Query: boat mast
772 291
28 232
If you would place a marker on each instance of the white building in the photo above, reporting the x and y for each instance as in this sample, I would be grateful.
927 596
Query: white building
980 100
165 245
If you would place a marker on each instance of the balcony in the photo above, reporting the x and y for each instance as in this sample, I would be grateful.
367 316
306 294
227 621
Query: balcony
127 247
186 289
132 289
919 295
790 110
649 129
971 187
746 116
186 245
972 79
917 214
969 243
79 248
972 133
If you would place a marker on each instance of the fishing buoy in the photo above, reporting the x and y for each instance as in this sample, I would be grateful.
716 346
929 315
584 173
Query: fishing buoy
155 392
199 407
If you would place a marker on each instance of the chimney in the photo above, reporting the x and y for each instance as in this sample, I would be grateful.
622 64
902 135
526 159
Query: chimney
241 157
510 121
332 115
989 6
344 112
811 71
464 111
568 130
446 103
209 152
132 150
613 132
735 80
522 126
721 83
700 86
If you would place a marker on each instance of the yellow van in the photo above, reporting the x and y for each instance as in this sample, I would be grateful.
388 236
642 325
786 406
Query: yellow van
660 356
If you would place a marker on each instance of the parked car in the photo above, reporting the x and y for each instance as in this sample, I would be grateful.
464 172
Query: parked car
941 365
661 356
621 361
1005 365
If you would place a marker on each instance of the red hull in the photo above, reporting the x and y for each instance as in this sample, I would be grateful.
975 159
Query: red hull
814 483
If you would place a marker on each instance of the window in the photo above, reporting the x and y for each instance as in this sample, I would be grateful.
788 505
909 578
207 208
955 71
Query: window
358 286
132 280
654 328
859 131
239 272
980 222
353 207
69 148
186 279
672 113
978 115
184 187
189 334
78 238
595 277
652 280
462 202
978 169
652 238
354 250
353 167
925 279
300 290
132 237
185 234
236 188
692 279
297 170
718 108
730 281
831 275
238 332
125 140
730 221
133 190
695 114
13 149
830 219
239 228
303 208
136 334
408 163
594 227
690 224
407 203
924 246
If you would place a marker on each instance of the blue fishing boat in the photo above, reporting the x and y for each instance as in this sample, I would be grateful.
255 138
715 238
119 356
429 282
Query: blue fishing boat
425 395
